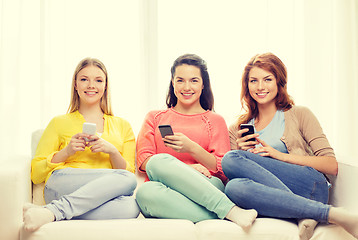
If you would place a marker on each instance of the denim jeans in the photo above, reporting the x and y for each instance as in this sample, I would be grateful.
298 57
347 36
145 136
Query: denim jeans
176 190
75 193
275 188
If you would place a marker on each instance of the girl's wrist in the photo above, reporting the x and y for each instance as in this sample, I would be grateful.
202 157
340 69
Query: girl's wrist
194 148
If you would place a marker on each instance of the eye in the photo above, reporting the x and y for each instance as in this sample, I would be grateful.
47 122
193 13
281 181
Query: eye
252 80
99 80
268 79
83 79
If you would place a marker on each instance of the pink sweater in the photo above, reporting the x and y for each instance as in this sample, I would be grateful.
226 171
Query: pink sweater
208 129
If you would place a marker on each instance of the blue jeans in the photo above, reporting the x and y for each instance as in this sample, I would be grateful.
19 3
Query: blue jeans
75 193
176 190
275 188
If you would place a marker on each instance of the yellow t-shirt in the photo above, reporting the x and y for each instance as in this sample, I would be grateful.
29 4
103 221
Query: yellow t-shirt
58 134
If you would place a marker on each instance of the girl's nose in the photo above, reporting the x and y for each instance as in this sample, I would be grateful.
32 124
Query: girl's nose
261 85
90 84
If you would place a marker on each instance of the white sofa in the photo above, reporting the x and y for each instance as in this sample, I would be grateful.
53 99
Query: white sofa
16 189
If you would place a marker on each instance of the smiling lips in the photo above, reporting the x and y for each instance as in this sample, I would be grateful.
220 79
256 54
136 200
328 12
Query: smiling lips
187 95
91 93
262 95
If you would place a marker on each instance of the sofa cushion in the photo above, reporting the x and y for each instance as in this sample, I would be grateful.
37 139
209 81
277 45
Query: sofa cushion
263 228
266 228
148 229
330 232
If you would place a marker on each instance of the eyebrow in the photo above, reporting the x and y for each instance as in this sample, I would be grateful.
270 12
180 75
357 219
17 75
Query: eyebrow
87 76
270 75
190 78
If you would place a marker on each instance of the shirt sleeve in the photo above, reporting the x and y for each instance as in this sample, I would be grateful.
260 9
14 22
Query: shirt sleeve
313 134
146 140
219 144
233 136
129 148
41 165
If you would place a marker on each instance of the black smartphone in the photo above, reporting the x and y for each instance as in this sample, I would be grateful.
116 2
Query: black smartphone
251 131
165 130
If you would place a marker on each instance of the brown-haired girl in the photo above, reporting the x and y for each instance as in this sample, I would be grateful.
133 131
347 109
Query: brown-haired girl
282 172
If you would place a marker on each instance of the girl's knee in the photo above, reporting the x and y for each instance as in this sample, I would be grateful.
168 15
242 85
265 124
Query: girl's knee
127 178
230 162
217 183
157 161
231 157
236 188
162 165
146 192
133 209
146 196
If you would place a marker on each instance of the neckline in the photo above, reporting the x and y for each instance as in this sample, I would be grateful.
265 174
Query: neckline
78 115
274 117
183 114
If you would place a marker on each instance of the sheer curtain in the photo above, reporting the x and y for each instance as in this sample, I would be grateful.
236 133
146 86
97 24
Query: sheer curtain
42 41
20 82
331 73
317 40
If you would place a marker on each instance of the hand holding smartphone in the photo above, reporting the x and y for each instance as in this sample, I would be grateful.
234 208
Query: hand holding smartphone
251 131
165 130
90 129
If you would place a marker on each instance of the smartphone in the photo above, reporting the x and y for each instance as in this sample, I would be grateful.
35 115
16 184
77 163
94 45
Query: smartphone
90 129
251 131
165 130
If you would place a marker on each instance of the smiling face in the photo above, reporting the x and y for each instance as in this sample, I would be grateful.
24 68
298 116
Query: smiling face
188 85
262 86
90 85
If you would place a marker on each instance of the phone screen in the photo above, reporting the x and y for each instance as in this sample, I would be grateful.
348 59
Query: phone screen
251 131
165 130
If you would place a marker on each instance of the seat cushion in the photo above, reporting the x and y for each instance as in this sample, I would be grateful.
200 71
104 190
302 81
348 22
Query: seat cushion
266 229
148 229
263 228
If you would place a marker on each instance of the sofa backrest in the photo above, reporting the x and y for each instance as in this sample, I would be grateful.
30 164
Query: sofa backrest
37 189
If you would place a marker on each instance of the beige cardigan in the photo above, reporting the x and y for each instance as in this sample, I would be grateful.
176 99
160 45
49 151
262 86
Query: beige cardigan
303 134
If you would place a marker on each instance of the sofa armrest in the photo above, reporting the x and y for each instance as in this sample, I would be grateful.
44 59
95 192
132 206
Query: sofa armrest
15 189
343 193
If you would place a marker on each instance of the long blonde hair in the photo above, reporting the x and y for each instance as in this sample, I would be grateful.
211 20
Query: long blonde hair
271 63
105 103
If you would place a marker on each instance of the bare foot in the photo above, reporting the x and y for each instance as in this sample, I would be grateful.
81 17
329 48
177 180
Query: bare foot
306 228
345 219
243 218
35 216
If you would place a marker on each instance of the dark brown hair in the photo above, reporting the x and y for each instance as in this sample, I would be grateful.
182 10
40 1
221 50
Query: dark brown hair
206 97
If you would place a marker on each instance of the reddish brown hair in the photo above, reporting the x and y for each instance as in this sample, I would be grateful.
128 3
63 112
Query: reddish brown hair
274 65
